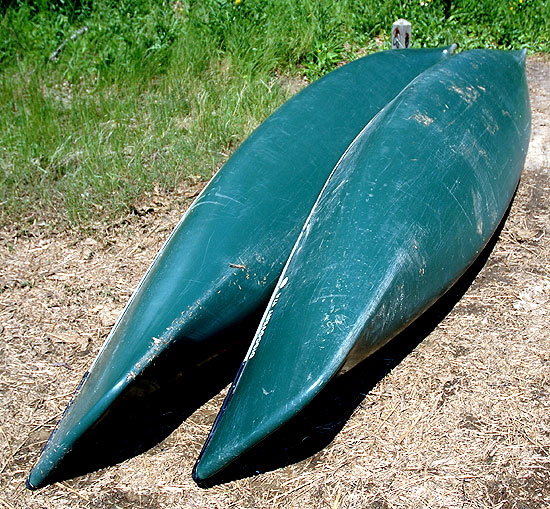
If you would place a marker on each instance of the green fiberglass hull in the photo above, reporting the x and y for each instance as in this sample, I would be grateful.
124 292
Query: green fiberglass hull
407 210
221 263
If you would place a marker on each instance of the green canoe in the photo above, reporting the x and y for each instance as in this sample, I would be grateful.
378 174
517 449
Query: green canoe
406 211
221 263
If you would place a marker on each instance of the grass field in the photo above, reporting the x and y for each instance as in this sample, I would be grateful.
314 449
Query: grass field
100 101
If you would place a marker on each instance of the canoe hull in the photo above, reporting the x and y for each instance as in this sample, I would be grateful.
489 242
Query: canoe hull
406 211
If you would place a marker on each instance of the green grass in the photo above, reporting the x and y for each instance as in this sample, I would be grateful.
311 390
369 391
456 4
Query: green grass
156 92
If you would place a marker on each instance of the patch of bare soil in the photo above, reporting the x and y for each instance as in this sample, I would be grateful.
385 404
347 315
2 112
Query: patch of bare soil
462 419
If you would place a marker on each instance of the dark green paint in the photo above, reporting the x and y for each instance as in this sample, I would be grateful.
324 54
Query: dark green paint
406 211
223 260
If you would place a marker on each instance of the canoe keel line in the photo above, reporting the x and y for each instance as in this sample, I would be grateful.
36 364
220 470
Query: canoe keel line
365 203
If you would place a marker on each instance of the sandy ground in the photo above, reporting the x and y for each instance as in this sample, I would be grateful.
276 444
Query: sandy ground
455 413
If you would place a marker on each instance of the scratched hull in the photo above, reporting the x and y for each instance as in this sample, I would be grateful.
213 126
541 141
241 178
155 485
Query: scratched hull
221 263
406 211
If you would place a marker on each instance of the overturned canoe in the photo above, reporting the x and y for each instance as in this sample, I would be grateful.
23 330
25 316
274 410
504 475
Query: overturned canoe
406 211
221 263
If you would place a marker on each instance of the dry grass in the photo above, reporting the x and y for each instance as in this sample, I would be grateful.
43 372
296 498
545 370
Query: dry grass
462 421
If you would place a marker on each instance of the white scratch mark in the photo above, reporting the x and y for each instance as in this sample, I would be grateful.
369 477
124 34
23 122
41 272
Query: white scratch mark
421 118
469 94
219 195
476 198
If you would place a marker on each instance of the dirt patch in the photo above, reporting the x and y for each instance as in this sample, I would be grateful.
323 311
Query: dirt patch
462 419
